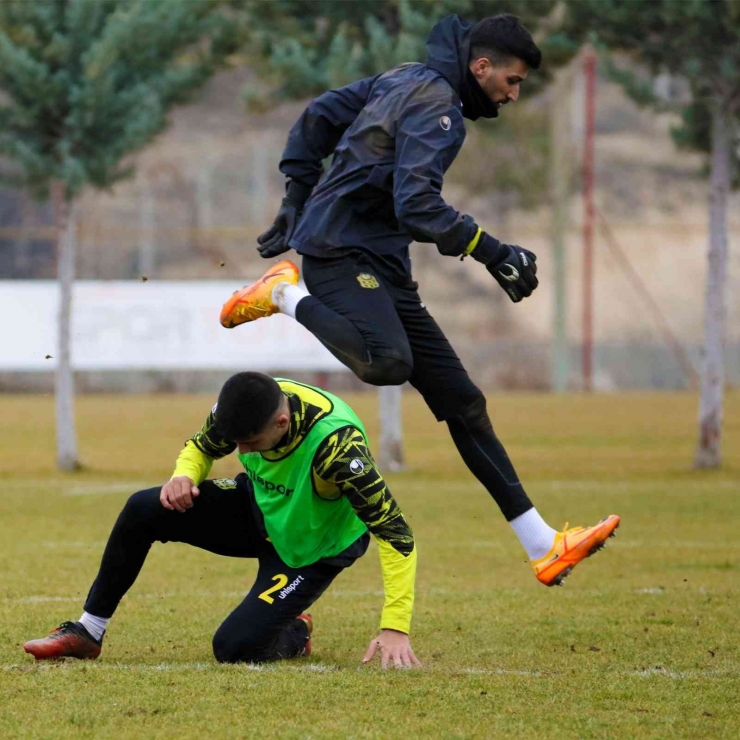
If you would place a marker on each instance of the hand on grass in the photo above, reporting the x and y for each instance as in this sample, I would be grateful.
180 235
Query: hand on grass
178 494
395 650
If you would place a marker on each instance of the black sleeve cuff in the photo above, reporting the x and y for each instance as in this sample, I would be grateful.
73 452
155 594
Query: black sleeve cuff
297 193
487 250
453 242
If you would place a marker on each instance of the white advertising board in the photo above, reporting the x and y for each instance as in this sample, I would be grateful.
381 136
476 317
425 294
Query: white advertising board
130 325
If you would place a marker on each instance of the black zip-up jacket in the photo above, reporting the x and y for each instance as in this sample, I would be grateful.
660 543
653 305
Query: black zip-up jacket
393 137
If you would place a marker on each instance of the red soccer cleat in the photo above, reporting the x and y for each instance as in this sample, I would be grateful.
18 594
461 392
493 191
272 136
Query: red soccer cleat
68 640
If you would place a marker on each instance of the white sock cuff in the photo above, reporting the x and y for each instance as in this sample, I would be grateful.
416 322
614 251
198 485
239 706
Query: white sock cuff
536 536
94 625
287 296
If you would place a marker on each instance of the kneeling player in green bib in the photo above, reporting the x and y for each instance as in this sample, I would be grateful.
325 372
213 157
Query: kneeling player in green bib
305 507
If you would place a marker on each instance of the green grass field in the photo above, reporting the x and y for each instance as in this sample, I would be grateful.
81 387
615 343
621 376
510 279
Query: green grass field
641 642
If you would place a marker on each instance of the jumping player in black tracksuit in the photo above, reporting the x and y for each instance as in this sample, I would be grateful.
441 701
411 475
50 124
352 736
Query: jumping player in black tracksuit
392 137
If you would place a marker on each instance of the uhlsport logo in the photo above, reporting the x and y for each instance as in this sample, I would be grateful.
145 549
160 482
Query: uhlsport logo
445 123
366 280
290 587
357 466
268 485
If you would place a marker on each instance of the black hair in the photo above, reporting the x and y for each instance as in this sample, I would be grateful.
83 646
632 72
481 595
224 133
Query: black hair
246 404
501 37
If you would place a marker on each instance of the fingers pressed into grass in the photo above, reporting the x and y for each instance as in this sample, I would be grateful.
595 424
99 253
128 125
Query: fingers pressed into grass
394 648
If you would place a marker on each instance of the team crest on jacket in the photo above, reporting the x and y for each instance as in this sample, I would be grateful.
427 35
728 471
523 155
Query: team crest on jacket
366 280
445 123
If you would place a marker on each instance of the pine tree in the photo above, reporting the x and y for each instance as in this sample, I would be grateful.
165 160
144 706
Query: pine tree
699 41
87 83
305 48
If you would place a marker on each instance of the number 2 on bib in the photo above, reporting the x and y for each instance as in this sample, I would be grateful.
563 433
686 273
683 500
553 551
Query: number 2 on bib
280 581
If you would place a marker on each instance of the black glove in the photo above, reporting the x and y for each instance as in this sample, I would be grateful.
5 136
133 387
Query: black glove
514 268
276 239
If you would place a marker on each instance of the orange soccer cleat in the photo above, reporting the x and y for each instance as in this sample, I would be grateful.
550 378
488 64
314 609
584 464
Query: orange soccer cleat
255 301
308 620
68 640
571 546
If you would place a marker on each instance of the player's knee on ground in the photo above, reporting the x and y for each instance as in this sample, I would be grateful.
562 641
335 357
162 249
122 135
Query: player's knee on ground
474 416
384 371
247 641
227 649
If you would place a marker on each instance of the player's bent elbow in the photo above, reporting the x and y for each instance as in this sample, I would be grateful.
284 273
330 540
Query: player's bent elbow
411 219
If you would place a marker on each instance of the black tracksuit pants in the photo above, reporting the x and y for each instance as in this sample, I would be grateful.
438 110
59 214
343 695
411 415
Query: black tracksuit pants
264 626
377 325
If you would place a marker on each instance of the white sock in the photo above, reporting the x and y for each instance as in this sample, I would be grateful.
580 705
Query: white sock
534 534
94 625
286 297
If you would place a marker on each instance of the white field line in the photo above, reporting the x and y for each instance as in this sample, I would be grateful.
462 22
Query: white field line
502 672
293 667
484 544
338 593
42 599
94 489
620 541
190 666
20 483
708 673
193 594
75 488
91 486
657 671
673 544
636 485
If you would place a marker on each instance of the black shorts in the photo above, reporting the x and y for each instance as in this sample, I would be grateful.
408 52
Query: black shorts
394 322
